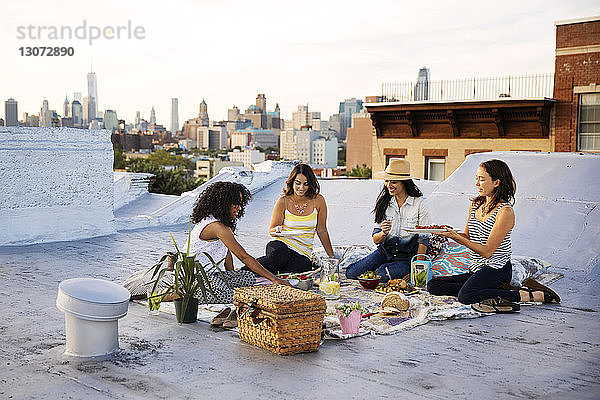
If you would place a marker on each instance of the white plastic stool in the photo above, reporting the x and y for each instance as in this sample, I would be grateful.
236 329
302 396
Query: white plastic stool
92 308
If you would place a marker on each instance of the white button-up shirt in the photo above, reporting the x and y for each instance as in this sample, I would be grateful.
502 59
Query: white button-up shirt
413 212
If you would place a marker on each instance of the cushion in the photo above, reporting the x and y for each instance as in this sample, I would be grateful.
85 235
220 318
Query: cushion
453 259
526 267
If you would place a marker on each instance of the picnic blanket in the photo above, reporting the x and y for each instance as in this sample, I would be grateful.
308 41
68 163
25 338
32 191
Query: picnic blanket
424 308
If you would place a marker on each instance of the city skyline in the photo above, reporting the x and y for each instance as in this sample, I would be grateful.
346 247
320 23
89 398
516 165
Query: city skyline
315 54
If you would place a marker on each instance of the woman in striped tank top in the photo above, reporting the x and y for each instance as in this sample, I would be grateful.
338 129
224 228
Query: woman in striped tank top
490 223
298 214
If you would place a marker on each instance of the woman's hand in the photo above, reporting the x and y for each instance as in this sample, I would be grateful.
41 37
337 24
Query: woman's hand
276 229
450 233
279 281
386 226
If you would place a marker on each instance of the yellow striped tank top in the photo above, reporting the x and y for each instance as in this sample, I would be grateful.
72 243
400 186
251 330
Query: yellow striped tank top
302 243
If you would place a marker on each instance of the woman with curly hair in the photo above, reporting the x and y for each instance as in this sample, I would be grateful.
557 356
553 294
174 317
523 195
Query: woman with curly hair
215 214
298 214
489 225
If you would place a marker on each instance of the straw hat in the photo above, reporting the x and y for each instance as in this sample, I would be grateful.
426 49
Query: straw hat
397 170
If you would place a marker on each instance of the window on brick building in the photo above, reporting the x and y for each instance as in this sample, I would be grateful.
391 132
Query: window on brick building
588 128
435 168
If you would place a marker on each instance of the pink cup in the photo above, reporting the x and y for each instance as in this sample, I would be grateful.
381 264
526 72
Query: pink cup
351 323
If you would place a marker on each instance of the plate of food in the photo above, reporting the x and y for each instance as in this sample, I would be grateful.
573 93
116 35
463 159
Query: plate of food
396 285
427 228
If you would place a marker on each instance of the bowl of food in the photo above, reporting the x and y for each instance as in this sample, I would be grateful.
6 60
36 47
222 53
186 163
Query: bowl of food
369 280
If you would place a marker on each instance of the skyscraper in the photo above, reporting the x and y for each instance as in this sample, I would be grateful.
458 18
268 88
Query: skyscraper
422 85
10 113
77 114
111 121
66 108
86 111
92 95
261 103
152 116
347 108
77 96
174 115
203 113
45 119
138 119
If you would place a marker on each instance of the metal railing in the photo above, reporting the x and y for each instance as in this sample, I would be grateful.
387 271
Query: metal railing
512 86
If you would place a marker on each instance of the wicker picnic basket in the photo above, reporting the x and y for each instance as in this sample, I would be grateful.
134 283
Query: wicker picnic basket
280 319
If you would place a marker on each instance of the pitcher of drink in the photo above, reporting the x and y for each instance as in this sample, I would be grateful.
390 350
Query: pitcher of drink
329 283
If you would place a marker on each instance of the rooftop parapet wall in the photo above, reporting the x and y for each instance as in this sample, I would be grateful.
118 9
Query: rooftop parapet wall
57 184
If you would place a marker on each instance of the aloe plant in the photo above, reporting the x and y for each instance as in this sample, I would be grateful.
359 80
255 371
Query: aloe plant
190 275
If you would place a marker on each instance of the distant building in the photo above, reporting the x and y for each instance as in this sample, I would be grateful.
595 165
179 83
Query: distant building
203 112
324 152
254 137
45 120
111 122
174 115
335 124
347 108
132 142
208 168
92 96
297 144
77 96
66 122
31 120
247 156
422 85
190 127
86 111
152 116
213 136
66 108
233 114
359 141
77 114
11 113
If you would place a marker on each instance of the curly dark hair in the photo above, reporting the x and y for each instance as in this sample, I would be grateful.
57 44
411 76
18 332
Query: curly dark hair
313 183
505 192
383 200
217 199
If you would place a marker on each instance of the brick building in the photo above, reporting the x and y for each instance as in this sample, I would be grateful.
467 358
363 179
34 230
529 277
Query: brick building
359 141
562 113
577 85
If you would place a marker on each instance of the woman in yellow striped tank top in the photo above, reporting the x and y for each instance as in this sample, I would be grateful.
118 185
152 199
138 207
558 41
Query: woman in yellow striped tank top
298 214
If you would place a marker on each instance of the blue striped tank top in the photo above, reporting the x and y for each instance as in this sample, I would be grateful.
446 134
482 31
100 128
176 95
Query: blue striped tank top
479 232
307 224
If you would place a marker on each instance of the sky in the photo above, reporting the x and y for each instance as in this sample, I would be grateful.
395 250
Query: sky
296 53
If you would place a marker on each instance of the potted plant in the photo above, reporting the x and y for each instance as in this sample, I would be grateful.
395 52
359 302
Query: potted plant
190 277
349 315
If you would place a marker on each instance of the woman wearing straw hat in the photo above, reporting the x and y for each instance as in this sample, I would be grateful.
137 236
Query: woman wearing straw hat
400 204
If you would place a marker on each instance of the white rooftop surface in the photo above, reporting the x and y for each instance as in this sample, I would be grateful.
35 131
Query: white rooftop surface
545 351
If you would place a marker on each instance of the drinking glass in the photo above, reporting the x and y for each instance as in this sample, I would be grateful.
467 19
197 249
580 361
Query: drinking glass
329 283
154 299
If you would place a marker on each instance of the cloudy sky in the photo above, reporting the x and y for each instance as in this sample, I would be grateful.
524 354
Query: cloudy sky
302 52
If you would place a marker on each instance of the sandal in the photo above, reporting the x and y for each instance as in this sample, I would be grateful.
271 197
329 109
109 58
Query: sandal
550 296
231 320
220 317
496 305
